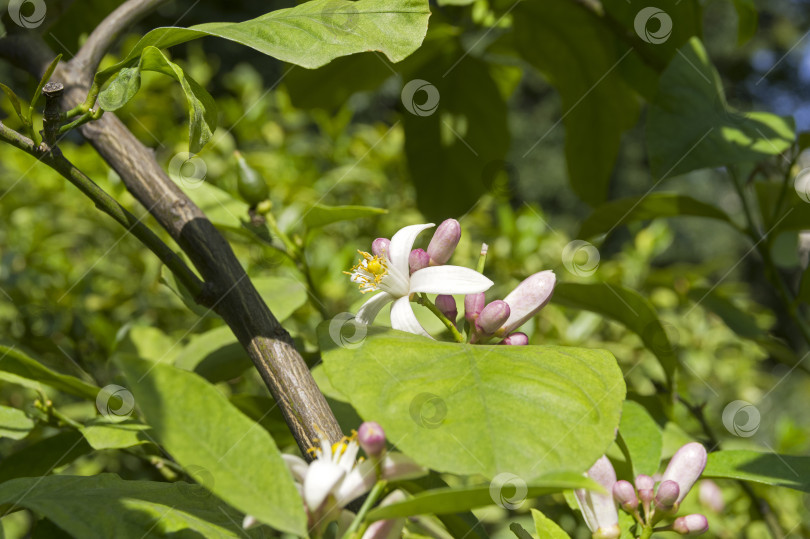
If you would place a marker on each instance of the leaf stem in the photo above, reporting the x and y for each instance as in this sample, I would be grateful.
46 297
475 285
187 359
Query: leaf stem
372 498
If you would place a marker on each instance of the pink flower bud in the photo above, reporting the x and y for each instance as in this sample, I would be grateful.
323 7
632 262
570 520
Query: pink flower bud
492 317
645 486
444 242
473 305
693 524
599 510
625 494
685 467
418 259
516 339
528 298
711 496
447 305
391 528
371 438
668 492
379 247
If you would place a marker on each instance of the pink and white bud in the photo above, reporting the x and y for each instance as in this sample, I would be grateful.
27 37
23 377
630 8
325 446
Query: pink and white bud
528 298
371 438
492 317
625 495
645 485
711 496
599 510
685 467
473 305
387 529
444 242
693 524
447 305
418 259
379 247
516 339
667 495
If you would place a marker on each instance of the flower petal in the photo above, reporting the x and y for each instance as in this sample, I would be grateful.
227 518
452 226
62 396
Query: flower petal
401 244
403 319
371 308
398 466
449 280
298 467
322 477
357 482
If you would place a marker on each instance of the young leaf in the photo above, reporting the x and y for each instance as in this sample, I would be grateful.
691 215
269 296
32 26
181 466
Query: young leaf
769 468
107 506
15 361
641 437
547 528
690 126
616 213
197 425
311 34
45 78
456 500
14 423
627 307
121 89
454 407
320 215
15 101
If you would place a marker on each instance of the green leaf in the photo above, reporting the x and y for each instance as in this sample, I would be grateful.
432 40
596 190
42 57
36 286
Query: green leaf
216 355
320 215
222 209
747 20
579 55
616 213
769 468
105 505
519 531
15 101
16 362
43 456
102 434
313 33
42 82
547 528
197 425
454 407
690 126
455 500
202 109
284 295
14 423
641 437
627 307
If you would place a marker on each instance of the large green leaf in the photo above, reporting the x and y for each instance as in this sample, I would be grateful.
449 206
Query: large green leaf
321 215
107 506
690 126
747 20
616 213
466 409
627 307
14 423
15 361
202 109
104 434
456 500
311 34
640 436
43 456
197 425
579 55
768 468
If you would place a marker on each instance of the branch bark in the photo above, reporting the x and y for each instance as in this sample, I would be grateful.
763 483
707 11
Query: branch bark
227 287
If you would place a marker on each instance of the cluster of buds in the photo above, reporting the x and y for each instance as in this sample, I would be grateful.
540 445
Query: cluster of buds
642 500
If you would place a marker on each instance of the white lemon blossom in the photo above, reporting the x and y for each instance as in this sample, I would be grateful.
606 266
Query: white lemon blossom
389 273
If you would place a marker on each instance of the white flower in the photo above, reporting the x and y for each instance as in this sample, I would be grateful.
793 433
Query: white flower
389 274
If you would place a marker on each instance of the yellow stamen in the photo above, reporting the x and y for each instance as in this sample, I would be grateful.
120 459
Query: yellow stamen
369 272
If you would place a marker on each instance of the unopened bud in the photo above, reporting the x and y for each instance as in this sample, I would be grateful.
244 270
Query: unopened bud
492 317
249 522
418 259
599 510
711 496
528 298
667 495
444 242
625 494
693 524
516 339
379 247
473 305
685 467
371 438
447 305
645 486
384 529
